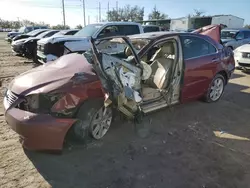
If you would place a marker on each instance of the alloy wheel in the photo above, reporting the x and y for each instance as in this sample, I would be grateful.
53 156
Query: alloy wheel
101 122
216 89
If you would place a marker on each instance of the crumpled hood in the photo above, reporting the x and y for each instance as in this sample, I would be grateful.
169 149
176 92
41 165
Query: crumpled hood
243 48
51 76
63 38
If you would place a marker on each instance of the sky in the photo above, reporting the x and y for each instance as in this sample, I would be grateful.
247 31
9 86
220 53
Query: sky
50 11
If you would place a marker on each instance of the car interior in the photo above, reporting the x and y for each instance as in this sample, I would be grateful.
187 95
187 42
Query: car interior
160 58
159 64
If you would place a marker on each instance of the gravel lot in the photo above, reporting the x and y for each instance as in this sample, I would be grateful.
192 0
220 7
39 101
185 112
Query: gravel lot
193 145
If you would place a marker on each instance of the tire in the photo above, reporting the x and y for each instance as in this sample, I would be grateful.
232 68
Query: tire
92 121
217 86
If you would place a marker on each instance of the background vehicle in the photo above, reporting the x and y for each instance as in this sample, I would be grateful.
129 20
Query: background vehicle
22 30
51 48
27 46
242 56
153 71
234 38
33 33
151 28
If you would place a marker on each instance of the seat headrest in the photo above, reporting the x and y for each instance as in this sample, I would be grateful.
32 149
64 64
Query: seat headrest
168 48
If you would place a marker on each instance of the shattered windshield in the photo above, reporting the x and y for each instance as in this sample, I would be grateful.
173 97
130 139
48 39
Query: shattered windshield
228 34
88 30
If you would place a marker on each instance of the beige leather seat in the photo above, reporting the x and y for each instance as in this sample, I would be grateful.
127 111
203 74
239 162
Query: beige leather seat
162 63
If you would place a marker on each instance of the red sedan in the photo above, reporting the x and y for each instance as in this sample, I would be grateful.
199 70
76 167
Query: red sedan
134 75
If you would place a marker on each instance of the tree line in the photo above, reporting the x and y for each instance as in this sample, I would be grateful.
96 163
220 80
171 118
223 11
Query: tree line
126 13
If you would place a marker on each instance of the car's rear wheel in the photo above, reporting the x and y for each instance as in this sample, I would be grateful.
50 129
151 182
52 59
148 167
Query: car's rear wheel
216 89
95 120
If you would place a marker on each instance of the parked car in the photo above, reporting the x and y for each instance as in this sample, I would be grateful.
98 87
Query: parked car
233 38
66 32
151 28
51 48
27 46
153 71
22 30
242 56
33 33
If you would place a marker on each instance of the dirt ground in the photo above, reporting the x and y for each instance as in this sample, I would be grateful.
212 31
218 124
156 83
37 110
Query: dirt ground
191 145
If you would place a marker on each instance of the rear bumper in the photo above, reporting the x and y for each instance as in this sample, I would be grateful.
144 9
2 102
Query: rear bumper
38 131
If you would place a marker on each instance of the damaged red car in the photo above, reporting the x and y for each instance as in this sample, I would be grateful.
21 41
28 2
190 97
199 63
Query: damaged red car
134 75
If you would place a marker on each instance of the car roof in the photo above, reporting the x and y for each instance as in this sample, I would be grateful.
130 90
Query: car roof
117 23
154 35
235 29
150 26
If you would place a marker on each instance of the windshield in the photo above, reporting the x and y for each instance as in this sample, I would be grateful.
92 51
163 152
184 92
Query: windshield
36 32
21 30
60 33
228 34
88 30
46 34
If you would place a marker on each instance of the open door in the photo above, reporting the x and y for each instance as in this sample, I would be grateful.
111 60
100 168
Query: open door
120 72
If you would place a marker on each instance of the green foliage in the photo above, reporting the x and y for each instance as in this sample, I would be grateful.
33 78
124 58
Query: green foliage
60 26
157 15
126 13
79 26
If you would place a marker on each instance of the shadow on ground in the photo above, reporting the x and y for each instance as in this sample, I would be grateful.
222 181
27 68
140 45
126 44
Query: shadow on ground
180 151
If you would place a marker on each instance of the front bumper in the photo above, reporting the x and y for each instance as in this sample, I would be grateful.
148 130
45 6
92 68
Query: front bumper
8 39
45 58
241 61
38 131
18 48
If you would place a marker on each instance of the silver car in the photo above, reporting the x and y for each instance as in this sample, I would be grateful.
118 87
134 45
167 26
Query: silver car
233 38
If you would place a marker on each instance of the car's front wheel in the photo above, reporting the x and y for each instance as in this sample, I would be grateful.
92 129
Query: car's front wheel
95 120
215 89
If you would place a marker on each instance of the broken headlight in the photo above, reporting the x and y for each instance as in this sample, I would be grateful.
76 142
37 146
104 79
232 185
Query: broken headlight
40 103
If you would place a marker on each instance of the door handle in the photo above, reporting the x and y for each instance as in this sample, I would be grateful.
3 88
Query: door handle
215 60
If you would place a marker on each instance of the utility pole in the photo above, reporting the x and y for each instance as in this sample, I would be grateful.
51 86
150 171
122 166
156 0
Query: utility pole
88 19
83 7
100 17
116 10
63 13
108 11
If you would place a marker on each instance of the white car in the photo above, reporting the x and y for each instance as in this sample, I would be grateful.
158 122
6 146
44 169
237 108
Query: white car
242 56
52 48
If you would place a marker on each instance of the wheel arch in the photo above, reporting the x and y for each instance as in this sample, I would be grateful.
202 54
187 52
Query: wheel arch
224 74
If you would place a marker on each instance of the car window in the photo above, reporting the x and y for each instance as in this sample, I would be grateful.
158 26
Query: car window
109 31
150 29
247 34
195 47
50 34
71 32
240 36
129 29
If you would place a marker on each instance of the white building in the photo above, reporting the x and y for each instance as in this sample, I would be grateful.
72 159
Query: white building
186 23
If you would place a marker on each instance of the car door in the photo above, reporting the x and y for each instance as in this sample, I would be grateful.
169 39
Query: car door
246 37
200 60
239 39
120 76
